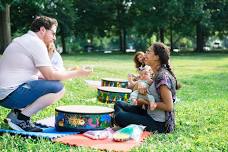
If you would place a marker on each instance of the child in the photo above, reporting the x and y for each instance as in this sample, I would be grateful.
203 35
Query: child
139 59
55 57
139 63
144 79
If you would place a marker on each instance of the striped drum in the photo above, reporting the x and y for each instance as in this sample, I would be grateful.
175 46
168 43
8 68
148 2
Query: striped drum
82 118
111 82
113 94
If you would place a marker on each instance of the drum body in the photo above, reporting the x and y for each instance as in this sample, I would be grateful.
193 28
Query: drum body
111 82
82 118
113 94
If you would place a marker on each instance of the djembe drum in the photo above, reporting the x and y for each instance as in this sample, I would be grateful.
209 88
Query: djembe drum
112 82
82 118
113 94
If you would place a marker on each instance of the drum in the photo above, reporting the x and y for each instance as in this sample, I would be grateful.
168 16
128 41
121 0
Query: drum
113 94
82 118
111 82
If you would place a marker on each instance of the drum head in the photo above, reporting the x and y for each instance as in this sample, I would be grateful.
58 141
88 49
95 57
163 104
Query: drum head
83 109
114 79
115 89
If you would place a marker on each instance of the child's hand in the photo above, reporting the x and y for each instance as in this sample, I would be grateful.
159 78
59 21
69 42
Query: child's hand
149 81
141 102
130 77
135 102
153 106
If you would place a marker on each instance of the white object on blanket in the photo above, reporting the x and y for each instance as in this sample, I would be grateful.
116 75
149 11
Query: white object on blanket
93 83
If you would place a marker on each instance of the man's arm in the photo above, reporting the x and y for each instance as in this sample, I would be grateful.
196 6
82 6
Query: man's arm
50 74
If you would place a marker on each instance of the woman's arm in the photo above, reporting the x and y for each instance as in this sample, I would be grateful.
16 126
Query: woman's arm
166 102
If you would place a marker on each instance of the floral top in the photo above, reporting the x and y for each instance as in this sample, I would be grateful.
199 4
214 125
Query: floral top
163 77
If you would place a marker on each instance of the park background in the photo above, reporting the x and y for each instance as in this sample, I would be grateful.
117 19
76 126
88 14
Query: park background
103 32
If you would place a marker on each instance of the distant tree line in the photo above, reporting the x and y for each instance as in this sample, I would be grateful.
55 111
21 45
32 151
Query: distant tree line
140 21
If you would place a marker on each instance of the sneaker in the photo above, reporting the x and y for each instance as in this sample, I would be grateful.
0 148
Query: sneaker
23 125
11 115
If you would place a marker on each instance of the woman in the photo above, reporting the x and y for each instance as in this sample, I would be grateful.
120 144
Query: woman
159 117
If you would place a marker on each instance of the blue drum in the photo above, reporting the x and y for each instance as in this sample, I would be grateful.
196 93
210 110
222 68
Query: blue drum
112 82
82 118
113 94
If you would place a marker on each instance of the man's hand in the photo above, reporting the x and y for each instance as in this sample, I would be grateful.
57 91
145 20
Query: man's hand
84 72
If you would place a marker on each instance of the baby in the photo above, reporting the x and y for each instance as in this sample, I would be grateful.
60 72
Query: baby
144 79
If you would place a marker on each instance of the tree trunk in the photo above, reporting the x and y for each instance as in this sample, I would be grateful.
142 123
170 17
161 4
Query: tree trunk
161 32
63 44
199 38
5 30
157 35
171 37
122 37
120 40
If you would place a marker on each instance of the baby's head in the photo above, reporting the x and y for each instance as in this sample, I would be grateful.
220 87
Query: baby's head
145 72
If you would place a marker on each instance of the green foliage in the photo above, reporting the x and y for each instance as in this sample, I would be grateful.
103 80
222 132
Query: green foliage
140 19
201 109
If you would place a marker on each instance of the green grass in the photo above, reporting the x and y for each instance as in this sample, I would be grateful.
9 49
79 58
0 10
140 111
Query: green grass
201 111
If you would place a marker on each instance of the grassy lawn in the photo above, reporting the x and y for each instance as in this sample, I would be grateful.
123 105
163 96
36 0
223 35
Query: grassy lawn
201 110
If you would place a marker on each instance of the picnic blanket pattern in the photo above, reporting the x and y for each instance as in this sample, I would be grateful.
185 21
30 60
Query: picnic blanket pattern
105 144
49 133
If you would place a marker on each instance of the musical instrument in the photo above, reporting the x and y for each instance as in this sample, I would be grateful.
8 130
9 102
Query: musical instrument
82 118
113 94
113 82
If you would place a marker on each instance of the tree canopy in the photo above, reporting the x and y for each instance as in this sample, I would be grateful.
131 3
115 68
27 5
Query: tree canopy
122 21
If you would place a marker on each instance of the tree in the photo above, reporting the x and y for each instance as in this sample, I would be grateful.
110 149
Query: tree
219 17
4 24
63 11
93 18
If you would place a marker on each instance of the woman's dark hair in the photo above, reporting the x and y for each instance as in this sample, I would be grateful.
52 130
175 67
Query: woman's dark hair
163 52
137 63
46 22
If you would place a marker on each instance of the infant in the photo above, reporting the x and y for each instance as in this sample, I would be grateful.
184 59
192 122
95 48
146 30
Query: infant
144 79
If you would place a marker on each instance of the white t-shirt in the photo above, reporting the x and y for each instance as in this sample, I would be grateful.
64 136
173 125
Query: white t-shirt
20 60
57 61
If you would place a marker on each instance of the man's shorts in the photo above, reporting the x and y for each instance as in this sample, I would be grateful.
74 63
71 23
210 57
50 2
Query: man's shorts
29 92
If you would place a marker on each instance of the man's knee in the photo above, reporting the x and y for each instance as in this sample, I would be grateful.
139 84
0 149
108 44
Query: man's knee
55 86
58 86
